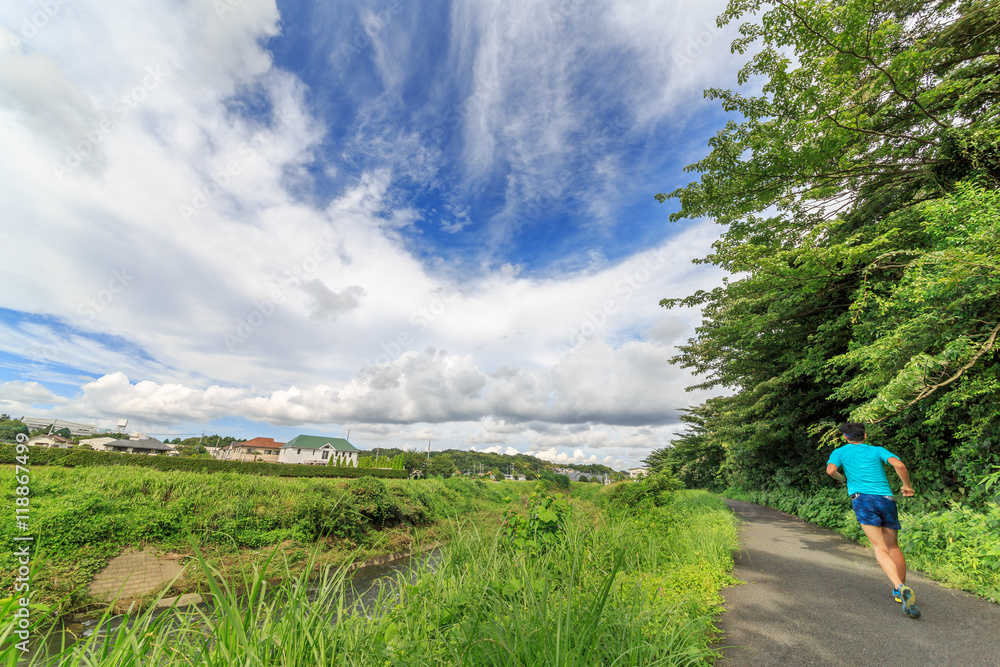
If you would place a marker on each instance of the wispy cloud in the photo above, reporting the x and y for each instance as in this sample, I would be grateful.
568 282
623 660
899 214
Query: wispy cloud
215 211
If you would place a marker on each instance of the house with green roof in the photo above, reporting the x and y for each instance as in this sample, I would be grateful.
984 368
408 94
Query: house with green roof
318 450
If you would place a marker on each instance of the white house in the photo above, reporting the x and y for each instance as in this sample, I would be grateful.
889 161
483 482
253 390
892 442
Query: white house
638 473
318 450
99 444
264 450
53 441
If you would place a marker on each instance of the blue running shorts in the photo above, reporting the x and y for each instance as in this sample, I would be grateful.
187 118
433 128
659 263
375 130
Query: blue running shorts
875 510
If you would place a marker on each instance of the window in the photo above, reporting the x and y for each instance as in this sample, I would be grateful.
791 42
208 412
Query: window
326 455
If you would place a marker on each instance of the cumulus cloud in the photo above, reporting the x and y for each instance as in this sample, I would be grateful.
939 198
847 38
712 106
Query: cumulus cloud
174 272
18 394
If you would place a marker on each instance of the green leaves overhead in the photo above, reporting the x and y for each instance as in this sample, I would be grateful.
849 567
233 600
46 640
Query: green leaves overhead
864 107
858 185
939 320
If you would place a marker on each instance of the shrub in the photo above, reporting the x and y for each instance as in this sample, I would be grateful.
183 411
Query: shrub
654 490
372 500
555 481
544 526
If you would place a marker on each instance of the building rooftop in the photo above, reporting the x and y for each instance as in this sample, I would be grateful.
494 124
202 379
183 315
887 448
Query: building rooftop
265 443
317 441
144 443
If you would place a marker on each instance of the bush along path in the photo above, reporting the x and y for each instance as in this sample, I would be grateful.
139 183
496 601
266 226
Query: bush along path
813 597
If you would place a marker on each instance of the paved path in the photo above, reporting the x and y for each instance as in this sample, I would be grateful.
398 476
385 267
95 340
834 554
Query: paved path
813 597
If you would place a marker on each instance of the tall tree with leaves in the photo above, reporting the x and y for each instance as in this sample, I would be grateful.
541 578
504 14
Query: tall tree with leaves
875 130
694 457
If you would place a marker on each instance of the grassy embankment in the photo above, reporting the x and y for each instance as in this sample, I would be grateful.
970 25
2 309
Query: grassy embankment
956 546
635 585
83 517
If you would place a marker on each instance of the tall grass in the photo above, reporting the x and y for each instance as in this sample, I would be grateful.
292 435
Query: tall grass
628 590
83 517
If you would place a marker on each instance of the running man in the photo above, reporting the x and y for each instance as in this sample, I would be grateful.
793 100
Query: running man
874 505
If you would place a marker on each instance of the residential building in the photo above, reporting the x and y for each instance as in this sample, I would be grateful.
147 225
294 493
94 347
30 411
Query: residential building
53 441
263 450
318 450
638 473
99 444
573 474
34 423
148 446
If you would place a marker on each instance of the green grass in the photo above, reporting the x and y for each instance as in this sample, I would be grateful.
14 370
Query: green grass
617 589
83 517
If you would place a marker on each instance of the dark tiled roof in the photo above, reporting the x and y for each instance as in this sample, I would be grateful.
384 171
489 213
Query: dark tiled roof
317 441
144 443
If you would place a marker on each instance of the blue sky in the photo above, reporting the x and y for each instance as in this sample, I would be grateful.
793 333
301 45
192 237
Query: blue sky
415 220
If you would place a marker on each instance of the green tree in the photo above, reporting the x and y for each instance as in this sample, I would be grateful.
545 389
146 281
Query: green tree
414 461
440 465
856 191
9 428
695 456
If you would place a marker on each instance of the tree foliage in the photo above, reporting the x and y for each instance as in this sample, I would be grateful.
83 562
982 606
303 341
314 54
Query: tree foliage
859 194
9 428
440 466
695 457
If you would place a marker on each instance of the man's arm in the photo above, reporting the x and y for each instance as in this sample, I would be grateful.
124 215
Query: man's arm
833 471
904 475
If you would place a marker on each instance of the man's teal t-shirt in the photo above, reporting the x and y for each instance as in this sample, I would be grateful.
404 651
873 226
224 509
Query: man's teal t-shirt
862 466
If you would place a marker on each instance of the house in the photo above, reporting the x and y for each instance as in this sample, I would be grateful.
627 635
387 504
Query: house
264 450
573 474
148 446
53 441
99 444
638 473
318 450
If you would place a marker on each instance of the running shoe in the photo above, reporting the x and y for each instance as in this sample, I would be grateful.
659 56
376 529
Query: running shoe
896 596
909 601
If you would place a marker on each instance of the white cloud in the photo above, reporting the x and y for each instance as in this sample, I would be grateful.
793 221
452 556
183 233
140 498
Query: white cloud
168 255
18 394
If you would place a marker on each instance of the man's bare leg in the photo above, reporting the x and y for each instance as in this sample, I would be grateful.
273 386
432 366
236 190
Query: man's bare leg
882 555
889 535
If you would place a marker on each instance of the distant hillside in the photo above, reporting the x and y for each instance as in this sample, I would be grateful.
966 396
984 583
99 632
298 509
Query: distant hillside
529 466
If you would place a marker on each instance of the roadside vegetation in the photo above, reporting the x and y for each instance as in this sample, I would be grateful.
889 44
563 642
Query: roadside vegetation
609 577
858 183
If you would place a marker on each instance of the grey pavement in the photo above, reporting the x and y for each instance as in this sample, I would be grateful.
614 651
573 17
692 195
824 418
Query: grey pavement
813 597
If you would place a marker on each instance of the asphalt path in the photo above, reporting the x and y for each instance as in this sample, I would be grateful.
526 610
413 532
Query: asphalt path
813 597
